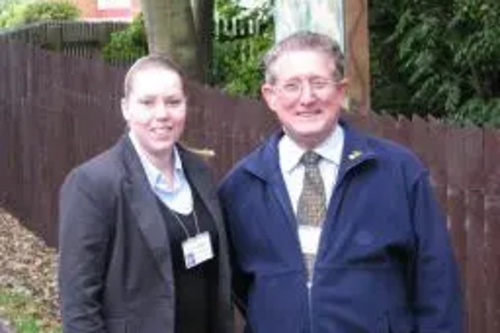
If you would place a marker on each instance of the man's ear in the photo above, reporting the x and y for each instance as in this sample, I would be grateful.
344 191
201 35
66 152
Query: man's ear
344 84
342 89
269 95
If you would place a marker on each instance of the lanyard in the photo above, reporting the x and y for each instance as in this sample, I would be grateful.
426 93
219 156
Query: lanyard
183 225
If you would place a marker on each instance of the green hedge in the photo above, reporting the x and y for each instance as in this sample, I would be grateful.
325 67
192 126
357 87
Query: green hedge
18 13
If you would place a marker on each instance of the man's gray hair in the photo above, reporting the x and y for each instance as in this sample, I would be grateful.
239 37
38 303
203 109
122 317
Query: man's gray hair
304 41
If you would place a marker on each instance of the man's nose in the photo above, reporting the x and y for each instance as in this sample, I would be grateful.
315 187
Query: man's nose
308 94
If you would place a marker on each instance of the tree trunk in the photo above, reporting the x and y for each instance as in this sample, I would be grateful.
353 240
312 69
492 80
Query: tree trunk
171 31
203 11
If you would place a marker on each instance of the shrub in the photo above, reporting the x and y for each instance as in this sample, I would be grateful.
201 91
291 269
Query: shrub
16 13
236 64
128 44
50 10
11 14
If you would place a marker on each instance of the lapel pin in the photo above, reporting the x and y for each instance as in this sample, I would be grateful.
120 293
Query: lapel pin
354 155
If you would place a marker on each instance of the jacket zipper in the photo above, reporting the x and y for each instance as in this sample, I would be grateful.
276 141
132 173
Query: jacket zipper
309 296
309 283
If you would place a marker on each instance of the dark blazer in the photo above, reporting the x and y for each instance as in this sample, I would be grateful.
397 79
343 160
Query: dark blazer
115 272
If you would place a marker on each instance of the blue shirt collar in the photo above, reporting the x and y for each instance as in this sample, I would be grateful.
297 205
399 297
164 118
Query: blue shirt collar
155 178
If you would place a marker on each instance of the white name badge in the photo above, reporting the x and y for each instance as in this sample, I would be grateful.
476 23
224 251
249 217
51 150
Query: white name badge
197 249
309 239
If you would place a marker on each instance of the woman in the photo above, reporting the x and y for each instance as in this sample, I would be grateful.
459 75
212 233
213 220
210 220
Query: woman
142 245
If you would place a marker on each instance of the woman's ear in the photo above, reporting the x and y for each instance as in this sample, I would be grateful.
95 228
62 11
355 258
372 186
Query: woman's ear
125 109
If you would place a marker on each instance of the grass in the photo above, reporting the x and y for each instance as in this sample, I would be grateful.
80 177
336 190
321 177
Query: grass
26 314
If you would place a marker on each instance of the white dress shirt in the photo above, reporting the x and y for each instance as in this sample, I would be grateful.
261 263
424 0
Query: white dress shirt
177 197
293 171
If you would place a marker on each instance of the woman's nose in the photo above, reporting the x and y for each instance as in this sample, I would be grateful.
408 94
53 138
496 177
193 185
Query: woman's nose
161 109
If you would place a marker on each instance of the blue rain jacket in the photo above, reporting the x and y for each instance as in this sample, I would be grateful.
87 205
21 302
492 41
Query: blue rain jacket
384 263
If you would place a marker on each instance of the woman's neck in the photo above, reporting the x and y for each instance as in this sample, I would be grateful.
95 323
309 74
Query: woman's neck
165 164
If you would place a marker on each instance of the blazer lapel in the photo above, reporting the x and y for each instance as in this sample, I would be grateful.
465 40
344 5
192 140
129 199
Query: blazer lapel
146 211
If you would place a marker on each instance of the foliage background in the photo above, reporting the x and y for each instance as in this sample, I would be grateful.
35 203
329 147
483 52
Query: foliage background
236 65
437 57
237 47
14 13
129 44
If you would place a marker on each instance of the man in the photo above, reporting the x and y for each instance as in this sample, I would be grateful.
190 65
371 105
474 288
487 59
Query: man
333 230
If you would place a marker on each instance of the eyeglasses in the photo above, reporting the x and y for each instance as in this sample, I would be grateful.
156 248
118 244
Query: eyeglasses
319 86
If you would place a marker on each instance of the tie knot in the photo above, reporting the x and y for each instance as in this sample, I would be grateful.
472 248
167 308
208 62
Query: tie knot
310 158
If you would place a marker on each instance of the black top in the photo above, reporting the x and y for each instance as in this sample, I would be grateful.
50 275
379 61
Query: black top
195 288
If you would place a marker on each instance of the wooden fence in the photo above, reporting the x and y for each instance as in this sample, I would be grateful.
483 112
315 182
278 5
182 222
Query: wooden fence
84 39
56 111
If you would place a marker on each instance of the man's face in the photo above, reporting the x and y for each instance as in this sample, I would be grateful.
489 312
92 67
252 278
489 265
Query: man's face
155 110
305 97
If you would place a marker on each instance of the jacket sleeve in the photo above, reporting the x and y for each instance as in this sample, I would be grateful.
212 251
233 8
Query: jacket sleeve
240 280
84 235
437 291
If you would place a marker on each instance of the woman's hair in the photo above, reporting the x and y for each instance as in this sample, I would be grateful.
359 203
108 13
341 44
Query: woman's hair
152 61
304 41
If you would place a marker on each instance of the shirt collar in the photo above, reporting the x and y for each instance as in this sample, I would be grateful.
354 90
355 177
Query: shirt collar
330 149
153 174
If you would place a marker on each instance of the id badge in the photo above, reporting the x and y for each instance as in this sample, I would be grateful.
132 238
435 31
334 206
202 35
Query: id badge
197 249
309 239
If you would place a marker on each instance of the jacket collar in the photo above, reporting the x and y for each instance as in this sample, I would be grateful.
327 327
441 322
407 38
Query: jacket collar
264 164
145 210
197 174
200 179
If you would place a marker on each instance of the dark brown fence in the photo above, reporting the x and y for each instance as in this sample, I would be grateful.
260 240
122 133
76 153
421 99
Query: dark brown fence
71 37
56 111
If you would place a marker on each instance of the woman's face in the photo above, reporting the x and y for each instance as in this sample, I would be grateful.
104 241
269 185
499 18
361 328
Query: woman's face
155 110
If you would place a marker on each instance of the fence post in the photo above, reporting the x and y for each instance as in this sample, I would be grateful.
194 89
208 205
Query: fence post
358 54
54 37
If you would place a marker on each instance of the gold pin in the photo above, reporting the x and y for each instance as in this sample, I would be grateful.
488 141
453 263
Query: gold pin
354 154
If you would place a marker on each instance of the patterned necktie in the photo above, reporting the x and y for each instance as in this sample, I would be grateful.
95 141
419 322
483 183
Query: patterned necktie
311 206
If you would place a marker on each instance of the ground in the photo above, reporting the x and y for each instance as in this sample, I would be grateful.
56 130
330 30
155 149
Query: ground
27 276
